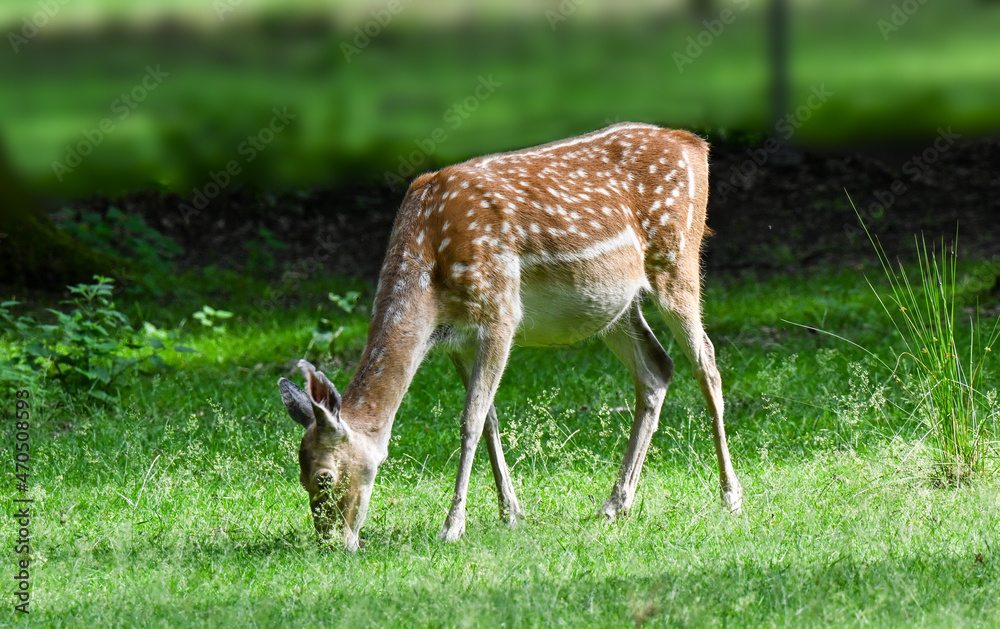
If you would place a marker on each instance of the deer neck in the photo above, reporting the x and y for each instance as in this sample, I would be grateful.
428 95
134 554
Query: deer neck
402 324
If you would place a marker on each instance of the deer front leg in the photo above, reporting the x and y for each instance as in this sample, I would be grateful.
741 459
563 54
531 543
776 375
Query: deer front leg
491 357
510 509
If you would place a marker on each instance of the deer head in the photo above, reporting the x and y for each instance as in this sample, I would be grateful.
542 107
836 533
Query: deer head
337 464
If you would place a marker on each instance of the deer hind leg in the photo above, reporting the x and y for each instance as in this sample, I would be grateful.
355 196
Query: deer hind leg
634 344
491 358
682 311
510 509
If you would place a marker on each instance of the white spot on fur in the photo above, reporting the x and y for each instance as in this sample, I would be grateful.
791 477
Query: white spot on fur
444 243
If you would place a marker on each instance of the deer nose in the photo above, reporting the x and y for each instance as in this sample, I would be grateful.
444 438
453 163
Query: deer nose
324 478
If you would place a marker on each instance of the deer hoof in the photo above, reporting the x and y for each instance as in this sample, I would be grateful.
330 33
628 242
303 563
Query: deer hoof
611 510
452 532
513 519
733 499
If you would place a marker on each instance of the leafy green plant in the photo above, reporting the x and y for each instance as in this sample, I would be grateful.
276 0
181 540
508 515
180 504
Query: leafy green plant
122 235
212 318
323 336
260 256
86 349
146 254
346 302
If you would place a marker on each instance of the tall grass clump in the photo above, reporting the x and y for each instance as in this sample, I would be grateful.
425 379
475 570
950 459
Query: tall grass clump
960 418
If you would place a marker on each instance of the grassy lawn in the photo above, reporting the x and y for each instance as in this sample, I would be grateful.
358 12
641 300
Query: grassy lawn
183 508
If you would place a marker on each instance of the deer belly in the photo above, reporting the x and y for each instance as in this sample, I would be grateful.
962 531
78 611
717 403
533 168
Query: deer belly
567 302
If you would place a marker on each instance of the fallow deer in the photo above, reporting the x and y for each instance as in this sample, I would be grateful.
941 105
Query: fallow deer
543 246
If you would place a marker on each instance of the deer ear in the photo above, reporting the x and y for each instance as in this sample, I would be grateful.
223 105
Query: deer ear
324 398
297 403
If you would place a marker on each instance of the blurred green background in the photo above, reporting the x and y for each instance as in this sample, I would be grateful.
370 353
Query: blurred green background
104 96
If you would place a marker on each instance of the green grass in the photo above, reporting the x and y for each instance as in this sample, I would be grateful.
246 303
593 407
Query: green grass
183 508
